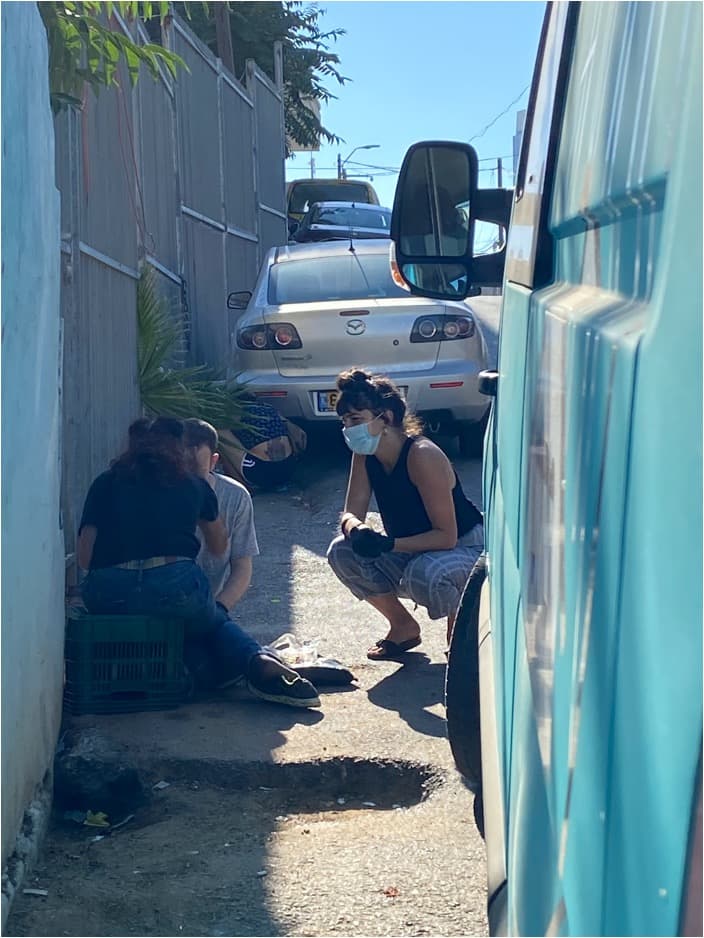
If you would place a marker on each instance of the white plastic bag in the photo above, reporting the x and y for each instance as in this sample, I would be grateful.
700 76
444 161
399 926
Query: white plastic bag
295 651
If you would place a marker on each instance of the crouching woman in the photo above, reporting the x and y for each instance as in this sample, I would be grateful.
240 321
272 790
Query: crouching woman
434 534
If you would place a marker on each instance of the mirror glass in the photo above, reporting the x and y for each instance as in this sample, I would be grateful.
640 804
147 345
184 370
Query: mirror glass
239 300
446 281
434 209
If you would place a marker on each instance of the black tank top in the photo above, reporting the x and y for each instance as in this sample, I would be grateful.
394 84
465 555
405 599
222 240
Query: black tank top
401 506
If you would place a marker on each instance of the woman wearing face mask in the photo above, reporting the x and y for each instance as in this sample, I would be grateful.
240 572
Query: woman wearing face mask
434 534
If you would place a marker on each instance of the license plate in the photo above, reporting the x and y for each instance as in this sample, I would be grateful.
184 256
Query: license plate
326 401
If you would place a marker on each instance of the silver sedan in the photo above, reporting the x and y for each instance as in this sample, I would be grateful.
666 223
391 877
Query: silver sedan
318 309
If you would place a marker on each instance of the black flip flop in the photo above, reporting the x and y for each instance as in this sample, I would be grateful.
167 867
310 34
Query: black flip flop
390 650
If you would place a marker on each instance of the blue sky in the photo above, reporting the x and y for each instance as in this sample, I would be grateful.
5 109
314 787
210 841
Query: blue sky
422 70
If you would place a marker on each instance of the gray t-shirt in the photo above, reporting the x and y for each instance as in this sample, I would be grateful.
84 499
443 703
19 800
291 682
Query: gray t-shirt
237 512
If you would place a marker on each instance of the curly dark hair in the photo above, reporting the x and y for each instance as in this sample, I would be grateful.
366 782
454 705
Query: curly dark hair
362 390
155 451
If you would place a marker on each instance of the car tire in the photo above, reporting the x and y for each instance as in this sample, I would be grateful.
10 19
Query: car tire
462 683
470 436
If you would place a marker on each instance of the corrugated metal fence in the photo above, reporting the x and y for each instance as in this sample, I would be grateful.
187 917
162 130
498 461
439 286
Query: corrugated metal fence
186 176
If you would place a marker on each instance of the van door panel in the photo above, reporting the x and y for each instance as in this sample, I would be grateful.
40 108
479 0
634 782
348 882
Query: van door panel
596 675
503 526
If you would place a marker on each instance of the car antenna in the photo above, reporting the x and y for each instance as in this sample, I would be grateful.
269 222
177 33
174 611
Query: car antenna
351 247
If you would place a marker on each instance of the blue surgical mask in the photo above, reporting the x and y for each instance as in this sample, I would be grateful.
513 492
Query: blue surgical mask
360 440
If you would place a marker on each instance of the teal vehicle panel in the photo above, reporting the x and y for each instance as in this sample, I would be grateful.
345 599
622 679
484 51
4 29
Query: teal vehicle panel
503 467
621 126
658 706
595 487
531 842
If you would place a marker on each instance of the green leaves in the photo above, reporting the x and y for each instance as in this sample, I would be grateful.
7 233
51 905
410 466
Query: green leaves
84 48
171 391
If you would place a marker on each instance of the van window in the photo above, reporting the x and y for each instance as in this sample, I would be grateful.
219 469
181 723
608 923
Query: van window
304 194
343 277
544 107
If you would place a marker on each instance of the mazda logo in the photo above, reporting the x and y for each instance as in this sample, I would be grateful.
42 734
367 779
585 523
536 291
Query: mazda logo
355 327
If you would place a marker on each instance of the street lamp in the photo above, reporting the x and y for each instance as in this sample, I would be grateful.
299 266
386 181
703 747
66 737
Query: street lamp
341 162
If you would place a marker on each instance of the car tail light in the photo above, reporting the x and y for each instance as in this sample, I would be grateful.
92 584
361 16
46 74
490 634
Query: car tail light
442 328
281 336
285 336
427 329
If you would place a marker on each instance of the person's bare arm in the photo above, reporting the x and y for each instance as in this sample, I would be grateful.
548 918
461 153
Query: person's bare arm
359 493
237 583
86 543
431 472
214 535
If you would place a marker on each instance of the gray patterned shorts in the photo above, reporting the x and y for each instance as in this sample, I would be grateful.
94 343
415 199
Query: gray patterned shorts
434 580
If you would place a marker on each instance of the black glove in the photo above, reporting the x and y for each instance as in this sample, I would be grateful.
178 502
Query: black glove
367 543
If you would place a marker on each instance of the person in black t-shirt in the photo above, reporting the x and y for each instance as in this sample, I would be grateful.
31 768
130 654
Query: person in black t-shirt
434 534
138 541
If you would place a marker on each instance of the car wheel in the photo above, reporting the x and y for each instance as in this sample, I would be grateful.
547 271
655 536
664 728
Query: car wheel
470 436
462 683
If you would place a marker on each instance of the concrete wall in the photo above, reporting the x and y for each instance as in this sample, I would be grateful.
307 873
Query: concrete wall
32 547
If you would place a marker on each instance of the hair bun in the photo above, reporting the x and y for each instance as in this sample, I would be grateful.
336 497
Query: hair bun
355 379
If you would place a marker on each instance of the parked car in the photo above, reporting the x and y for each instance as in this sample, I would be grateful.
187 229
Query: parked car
574 684
320 308
328 221
302 193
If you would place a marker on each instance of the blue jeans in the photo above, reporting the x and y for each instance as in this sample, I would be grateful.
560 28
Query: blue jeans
180 591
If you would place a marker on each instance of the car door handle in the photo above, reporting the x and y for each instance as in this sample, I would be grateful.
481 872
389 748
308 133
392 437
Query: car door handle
488 381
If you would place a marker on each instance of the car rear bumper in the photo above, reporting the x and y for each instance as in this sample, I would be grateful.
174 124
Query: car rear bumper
446 390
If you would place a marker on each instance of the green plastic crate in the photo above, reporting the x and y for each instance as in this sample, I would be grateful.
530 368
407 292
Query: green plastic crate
123 664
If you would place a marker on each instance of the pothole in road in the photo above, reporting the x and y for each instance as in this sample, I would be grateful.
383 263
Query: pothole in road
326 784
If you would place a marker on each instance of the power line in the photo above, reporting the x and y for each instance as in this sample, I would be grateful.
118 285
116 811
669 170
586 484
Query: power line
505 111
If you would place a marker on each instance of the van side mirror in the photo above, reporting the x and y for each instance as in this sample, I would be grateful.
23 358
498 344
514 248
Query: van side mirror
434 223
239 300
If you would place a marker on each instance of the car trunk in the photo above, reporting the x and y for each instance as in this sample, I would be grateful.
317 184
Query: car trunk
339 334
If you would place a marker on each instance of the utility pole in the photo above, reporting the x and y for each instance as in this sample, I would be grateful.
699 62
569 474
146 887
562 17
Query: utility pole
312 166
499 172
339 166
223 36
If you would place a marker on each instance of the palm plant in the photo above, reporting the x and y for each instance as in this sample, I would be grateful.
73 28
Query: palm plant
168 390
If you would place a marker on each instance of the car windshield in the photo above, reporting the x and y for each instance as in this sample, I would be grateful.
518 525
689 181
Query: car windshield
305 194
347 217
348 276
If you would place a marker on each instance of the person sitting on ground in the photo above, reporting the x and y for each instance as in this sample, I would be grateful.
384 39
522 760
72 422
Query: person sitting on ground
229 575
137 539
434 534
262 454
